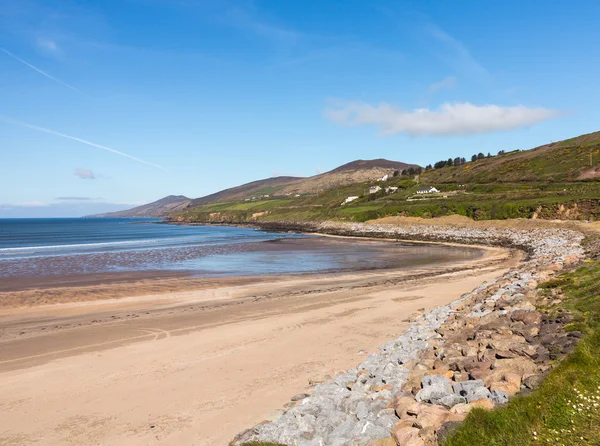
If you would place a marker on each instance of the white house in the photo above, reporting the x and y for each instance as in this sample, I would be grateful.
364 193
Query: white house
428 190
374 189
349 199
384 178
390 189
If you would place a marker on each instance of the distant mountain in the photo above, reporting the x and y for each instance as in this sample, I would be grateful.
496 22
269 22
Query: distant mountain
157 209
269 186
357 171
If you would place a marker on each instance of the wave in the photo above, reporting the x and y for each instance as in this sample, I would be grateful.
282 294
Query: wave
79 245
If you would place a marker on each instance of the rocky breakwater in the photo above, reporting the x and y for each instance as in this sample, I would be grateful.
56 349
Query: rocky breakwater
478 351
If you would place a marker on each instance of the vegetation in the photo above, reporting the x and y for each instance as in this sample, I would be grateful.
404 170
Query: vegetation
565 408
552 181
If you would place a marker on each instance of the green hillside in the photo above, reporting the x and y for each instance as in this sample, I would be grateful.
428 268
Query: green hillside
567 160
555 181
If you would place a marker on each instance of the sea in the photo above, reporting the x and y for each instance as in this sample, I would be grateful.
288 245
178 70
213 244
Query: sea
79 246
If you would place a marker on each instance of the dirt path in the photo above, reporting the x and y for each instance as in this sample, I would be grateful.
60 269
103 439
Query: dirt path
197 367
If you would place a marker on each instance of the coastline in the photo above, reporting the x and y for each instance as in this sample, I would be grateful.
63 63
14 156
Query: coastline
256 350
216 359
413 388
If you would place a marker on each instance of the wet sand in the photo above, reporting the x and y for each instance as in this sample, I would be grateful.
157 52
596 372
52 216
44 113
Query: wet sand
196 367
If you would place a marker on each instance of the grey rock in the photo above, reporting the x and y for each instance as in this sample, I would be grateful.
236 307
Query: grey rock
499 396
450 401
471 390
435 387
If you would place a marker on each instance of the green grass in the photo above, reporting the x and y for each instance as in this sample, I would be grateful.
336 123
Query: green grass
547 415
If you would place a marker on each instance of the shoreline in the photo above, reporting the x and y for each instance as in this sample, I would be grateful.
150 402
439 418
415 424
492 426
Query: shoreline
220 362
25 291
408 391
217 360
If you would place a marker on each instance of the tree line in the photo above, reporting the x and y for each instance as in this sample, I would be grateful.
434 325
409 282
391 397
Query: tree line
458 161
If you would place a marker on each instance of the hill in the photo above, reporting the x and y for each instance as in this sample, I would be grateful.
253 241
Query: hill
560 180
567 160
269 186
157 209
357 171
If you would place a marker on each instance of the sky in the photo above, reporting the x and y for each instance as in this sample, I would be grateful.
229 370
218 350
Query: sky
108 105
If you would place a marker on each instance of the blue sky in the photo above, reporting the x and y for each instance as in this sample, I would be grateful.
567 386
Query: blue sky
105 105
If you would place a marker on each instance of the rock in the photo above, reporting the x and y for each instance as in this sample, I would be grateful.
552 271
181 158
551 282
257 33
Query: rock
532 381
460 376
451 401
520 365
402 402
407 436
499 396
527 317
274 416
384 442
483 403
432 416
471 390
299 396
435 387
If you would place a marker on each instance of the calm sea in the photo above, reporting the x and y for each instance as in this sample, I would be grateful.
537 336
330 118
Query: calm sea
50 247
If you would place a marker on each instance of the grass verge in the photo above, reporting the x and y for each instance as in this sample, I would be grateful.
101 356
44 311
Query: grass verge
565 408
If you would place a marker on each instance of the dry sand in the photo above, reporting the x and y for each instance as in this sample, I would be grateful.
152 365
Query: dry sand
196 367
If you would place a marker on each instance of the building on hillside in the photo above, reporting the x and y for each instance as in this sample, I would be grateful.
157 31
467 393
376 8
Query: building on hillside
374 189
349 199
390 189
428 190
384 178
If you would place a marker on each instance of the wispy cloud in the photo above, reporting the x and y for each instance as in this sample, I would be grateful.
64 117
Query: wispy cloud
446 83
457 56
84 174
48 46
25 204
448 119
83 141
43 73
76 198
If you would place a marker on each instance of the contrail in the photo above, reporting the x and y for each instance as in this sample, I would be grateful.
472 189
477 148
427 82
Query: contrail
41 72
89 143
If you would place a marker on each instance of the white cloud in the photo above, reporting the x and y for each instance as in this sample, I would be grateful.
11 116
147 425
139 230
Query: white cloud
448 119
448 82
84 174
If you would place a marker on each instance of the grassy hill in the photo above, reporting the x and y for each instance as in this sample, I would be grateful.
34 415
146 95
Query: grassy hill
562 161
157 209
554 181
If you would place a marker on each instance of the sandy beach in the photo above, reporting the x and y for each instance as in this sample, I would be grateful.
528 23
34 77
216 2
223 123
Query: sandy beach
196 367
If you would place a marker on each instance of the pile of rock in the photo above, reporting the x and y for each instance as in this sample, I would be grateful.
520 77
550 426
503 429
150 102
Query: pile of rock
476 352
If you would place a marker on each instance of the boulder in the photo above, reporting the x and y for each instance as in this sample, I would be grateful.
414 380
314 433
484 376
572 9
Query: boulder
402 402
527 317
499 397
407 436
471 390
451 401
435 387
506 387
432 416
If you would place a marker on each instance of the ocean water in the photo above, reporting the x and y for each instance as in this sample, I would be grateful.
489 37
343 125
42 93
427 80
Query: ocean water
54 247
